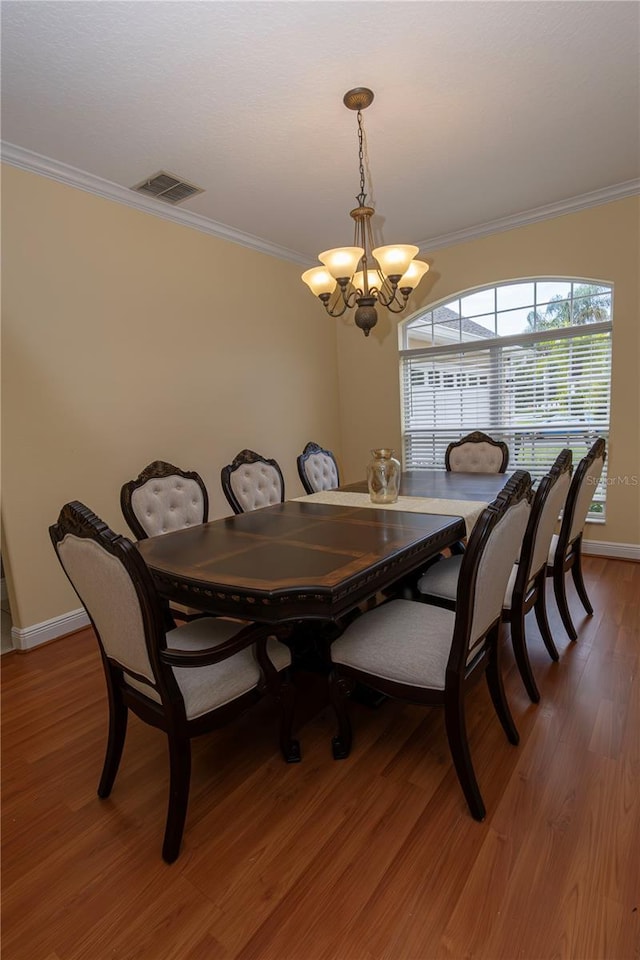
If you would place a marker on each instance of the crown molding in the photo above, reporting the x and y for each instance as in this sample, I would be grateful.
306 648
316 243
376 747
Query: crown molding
71 176
572 205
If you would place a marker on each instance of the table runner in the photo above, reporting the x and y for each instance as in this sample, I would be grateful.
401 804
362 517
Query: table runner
469 510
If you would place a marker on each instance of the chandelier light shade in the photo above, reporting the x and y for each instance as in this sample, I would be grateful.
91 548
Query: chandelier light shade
360 276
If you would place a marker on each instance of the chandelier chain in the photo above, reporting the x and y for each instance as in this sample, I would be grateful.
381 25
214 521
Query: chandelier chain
362 196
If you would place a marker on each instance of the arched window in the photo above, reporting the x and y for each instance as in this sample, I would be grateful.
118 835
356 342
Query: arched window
528 362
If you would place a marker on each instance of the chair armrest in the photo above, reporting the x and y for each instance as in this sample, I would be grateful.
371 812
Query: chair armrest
248 636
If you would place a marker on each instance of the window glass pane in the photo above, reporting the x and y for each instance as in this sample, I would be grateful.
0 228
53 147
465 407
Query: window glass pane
479 328
511 322
484 301
514 295
582 289
446 323
453 306
419 333
556 313
423 320
593 309
546 290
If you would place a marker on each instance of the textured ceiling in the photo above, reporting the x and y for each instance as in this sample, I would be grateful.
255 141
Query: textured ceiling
482 110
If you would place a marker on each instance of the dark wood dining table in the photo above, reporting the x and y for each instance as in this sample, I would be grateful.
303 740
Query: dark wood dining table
295 560
444 485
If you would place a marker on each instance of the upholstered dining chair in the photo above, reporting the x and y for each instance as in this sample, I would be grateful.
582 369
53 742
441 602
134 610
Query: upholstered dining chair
425 654
565 552
317 469
526 585
251 481
163 498
477 453
185 681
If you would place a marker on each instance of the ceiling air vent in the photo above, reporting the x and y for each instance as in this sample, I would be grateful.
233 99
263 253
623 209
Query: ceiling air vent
165 186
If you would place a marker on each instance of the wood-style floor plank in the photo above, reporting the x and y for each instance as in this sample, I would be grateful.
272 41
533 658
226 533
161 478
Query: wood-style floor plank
371 858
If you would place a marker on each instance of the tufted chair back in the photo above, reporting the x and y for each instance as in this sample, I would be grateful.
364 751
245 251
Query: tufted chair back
477 453
251 481
317 469
163 498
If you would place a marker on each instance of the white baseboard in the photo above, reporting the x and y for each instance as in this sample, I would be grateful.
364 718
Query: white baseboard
29 637
617 551
39 633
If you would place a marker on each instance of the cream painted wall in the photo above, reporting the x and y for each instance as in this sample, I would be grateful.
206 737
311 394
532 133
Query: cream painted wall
601 243
127 338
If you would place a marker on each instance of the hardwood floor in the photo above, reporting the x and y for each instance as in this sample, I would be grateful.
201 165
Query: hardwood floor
372 858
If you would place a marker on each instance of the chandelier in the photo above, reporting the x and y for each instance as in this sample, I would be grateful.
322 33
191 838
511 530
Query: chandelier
359 275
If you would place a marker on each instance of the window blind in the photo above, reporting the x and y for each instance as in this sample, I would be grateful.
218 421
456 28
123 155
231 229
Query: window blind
537 392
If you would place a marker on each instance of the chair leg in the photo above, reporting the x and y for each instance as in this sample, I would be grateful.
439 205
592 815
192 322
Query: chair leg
540 610
118 715
576 573
289 747
179 780
338 689
519 643
496 687
560 590
459 746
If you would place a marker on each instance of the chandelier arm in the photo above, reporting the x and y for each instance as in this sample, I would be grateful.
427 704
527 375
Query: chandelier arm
386 299
400 304
342 298
331 308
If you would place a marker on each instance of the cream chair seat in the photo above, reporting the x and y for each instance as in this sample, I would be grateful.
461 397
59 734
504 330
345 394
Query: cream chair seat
427 654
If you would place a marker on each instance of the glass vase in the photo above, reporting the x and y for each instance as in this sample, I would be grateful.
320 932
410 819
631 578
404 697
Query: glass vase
383 476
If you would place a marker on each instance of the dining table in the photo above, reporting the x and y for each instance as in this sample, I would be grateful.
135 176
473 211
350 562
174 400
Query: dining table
296 560
444 485
315 558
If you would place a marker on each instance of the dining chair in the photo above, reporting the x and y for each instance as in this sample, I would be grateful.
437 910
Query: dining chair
185 681
163 498
317 469
565 552
425 654
252 481
477 453
525 588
